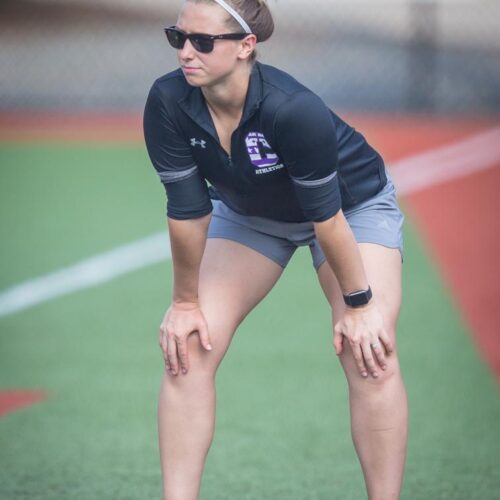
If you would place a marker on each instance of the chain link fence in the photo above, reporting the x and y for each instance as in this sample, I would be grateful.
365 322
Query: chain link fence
432 56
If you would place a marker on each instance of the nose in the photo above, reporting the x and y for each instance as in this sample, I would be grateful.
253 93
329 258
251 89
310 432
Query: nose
187 52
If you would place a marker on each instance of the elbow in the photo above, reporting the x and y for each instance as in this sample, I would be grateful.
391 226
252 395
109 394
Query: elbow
334 226
195 219
329 220
200 223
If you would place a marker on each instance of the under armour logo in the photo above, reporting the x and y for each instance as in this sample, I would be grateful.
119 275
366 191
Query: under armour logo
383 224
201 143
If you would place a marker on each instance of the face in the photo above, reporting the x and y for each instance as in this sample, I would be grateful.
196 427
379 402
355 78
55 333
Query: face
212 68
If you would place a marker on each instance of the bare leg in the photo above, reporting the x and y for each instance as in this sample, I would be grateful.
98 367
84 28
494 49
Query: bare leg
379 413
233 280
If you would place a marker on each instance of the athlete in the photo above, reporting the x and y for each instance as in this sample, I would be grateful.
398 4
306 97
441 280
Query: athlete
255 165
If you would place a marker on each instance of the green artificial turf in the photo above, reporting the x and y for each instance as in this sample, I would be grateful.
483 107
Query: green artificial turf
282 428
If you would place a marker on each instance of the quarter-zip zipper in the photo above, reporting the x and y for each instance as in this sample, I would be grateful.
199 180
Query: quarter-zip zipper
232 171
229 159
229 156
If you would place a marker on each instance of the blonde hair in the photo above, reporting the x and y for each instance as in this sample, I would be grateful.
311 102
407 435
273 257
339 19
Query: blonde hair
256 14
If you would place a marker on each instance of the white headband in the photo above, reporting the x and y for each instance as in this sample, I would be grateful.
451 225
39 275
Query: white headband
238 18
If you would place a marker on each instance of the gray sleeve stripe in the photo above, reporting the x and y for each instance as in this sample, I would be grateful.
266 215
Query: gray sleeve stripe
167 176
315 183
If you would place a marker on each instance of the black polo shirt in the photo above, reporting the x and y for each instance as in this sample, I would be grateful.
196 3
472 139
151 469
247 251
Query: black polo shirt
292 159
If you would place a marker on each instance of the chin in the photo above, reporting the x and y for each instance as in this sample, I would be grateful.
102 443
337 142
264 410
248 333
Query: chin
193 80
194 83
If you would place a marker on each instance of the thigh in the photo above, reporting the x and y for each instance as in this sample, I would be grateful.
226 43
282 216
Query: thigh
383 268
265 236
378 220
233 280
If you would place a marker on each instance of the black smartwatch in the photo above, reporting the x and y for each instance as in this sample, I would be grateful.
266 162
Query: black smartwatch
359 298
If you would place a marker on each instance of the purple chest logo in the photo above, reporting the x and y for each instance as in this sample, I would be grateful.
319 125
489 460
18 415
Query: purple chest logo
261 154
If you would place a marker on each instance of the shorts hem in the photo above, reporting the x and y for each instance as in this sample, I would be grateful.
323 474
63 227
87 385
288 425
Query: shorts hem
236 239
323 260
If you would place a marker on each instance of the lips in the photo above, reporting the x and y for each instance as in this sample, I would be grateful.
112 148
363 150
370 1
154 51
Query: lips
189 69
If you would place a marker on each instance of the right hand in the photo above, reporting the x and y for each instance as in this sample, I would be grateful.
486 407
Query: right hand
181 320
370 343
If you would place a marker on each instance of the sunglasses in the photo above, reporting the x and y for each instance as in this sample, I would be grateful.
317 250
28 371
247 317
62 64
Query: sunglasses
201 42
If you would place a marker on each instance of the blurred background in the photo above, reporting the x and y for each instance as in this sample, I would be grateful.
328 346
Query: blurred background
85 275
436 56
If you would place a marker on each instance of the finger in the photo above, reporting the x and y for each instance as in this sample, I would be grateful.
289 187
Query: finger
160 335
163 347
358 357
338 340
182 354
204 337
379 354
384 337
369 359
172 355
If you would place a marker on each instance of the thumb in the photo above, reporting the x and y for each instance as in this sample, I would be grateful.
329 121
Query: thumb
204 338
338 340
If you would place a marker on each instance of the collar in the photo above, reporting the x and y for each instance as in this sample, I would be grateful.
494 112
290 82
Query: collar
195 107
255 93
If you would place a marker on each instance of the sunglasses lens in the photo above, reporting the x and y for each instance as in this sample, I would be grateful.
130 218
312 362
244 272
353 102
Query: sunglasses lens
202 44
176 38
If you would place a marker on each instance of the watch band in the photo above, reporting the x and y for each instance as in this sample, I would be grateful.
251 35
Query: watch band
358 298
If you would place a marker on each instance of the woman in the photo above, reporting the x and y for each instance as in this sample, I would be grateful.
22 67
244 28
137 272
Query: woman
284 171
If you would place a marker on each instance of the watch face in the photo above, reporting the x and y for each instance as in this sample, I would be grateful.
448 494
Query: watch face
360 298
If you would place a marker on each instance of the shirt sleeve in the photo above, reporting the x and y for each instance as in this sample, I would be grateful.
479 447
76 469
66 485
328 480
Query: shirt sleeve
170 154
307 142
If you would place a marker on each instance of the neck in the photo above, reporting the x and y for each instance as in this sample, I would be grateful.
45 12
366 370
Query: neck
228 97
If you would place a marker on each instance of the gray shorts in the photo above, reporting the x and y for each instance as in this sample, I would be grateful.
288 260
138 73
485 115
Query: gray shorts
376 220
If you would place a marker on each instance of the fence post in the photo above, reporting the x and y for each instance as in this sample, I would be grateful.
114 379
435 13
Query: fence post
422 55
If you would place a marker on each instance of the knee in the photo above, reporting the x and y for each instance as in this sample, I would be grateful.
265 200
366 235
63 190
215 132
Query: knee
203 364
385 377
385 380
195 384
199 377
194 388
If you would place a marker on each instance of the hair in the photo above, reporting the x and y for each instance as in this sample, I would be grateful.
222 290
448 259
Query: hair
256 14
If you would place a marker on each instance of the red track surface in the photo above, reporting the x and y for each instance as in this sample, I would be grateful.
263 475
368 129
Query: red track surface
15 400
67 127
460 221
457 219
395 135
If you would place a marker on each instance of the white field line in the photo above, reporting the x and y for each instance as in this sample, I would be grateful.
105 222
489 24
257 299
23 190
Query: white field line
86 273
412 174
433 167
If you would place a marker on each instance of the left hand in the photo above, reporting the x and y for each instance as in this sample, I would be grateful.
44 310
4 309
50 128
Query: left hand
364 329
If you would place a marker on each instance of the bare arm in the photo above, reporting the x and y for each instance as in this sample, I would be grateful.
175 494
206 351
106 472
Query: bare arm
187 240
184 316
363 326
342 253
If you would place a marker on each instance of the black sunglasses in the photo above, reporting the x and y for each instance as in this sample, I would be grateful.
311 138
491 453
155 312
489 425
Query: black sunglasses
201 42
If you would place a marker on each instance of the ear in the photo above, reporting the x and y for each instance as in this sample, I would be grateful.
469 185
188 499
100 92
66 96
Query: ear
247 46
